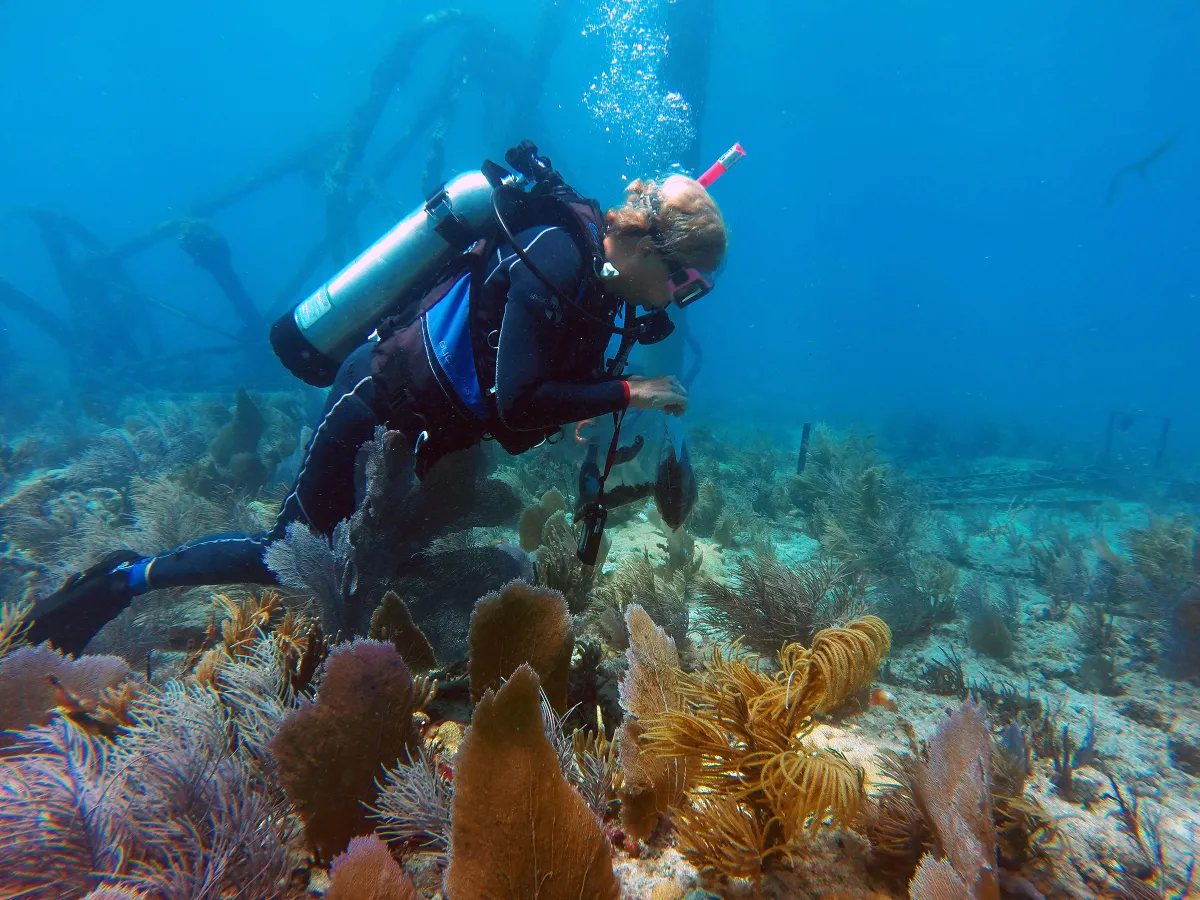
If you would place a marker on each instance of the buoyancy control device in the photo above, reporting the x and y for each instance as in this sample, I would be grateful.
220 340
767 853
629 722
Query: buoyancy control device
314 337
389 279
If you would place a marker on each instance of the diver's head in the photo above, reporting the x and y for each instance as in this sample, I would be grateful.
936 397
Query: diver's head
664 242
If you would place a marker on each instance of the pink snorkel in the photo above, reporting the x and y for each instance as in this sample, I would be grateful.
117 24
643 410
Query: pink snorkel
727 161
685 284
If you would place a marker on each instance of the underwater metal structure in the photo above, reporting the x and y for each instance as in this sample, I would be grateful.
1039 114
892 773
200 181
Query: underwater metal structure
104 301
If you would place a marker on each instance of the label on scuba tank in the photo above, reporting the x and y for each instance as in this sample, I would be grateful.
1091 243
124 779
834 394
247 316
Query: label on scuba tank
313 308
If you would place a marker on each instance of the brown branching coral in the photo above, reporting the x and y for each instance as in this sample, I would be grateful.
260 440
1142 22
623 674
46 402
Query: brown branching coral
898 833
521 624
767 603
414 804
653 783
725 836
173 804
859 508
244 618
755 787
710 504
516 820
168 515
1157 879
1163 552
330 751
597 764
60 835
115 892
842 662
14 622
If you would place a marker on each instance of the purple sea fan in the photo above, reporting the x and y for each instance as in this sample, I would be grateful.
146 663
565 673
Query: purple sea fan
27 696
202 821
61 829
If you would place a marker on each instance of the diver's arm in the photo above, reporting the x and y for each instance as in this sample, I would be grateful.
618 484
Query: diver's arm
533 329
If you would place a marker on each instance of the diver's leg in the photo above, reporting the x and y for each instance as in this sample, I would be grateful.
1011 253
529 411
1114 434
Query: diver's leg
323 495
324 490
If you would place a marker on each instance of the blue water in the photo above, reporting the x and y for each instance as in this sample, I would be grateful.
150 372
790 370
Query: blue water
920 226
926 243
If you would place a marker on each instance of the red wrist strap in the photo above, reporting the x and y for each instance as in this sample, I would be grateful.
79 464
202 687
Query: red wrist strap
625 385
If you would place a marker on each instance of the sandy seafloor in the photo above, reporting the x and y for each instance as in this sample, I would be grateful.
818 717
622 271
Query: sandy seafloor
1137 754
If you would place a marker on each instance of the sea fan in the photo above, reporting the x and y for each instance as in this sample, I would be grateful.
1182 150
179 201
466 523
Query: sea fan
203 822
769 603
325 569
257 693
61 828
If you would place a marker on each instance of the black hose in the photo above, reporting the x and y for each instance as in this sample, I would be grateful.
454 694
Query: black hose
568 303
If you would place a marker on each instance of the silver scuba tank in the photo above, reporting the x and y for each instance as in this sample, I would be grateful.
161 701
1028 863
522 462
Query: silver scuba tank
315 336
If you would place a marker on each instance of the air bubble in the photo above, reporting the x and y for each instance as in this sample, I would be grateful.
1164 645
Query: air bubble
652 125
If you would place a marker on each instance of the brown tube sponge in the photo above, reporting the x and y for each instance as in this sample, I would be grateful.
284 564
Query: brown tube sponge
518 828
521 624
331 751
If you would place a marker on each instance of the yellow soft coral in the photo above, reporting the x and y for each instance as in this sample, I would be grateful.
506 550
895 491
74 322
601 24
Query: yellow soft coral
14 620
754 784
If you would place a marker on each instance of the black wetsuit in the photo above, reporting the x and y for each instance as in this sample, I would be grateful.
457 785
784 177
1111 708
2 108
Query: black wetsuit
549 372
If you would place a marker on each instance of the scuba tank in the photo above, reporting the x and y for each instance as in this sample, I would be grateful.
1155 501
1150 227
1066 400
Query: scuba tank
313 338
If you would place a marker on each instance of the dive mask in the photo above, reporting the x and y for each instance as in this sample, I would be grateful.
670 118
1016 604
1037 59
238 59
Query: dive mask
687 285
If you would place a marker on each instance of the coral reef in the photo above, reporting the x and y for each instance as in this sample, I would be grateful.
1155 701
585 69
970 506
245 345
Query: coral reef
744 753
663 594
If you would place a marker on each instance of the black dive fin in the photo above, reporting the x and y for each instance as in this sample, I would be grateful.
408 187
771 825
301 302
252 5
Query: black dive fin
75 613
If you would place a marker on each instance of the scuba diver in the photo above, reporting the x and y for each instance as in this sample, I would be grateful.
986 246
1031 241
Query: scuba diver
512 285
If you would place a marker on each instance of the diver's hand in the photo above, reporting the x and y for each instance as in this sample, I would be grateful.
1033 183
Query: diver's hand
661 392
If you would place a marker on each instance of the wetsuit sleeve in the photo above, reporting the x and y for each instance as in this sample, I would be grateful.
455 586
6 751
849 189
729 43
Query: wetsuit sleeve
533 333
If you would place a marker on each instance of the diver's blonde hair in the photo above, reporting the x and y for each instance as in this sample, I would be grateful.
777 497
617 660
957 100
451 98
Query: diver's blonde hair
689 225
